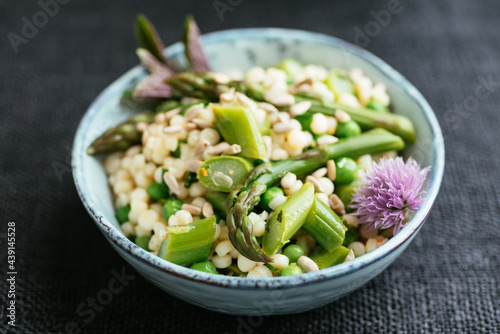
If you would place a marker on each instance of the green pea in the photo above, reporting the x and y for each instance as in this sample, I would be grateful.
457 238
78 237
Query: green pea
156 191
206 267
293 252
348 129
143 242
347 170
351 235
170 207
122 214
291 269
377 106
269 195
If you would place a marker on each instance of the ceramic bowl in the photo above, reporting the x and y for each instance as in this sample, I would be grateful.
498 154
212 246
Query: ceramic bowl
241 49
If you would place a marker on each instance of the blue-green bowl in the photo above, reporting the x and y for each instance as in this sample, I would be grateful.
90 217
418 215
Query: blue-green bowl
242 49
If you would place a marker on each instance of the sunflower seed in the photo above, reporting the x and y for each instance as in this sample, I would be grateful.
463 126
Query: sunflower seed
171 182
193 165
300 108
201 146
172 129
194 210
233 149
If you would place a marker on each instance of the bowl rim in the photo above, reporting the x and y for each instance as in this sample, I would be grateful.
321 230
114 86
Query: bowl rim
115 236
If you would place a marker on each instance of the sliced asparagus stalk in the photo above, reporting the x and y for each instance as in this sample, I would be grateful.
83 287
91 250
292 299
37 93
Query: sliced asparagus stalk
288 219
190 243
325 259
239 126
324 226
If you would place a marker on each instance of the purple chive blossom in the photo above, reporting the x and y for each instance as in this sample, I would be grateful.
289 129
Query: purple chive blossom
390 190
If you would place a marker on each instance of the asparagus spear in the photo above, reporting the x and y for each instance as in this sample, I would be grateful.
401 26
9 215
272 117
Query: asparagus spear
193 47
204 85
122 136
147 37
367 118
244 198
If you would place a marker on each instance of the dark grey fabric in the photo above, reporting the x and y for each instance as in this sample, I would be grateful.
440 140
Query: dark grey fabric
447 281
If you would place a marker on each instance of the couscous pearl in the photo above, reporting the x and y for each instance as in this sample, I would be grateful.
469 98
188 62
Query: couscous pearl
296 186
371 244
126 186
128 228
158 227
245 264
112 163
196 190
147 219
183 217
193 137
141 232
139 162
138 206
133 217
156 207
224 247
260 272
259 228
210 135
154 243
222 261
183 191
280 261
297 139
288 180
122 200
277 201
142 180
173 221
327 185
319 123
357 247
139 194
279 154
322 197
126 162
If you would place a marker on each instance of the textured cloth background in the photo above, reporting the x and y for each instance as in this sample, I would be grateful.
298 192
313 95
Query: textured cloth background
447 281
